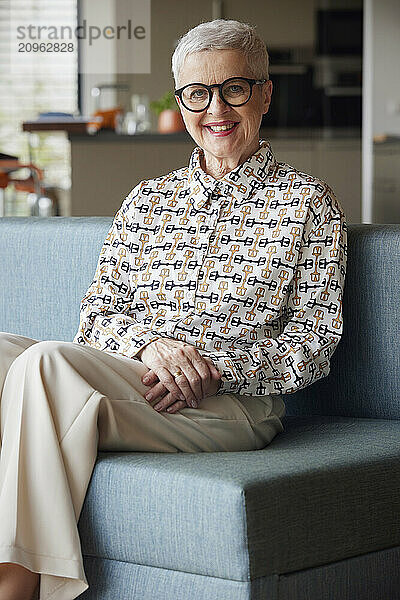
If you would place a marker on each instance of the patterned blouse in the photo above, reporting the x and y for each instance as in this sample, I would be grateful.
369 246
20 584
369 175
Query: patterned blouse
249 269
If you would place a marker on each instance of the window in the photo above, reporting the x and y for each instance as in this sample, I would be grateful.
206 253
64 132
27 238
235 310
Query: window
25 92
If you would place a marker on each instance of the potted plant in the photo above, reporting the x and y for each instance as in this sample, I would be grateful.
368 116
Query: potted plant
169 116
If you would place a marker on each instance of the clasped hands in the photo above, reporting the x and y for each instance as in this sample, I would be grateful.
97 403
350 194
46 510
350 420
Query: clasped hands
198 376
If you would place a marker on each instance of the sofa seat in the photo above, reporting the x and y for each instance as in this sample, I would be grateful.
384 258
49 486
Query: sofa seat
320 492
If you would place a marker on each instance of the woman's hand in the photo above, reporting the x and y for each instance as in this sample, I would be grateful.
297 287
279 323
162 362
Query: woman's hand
199 377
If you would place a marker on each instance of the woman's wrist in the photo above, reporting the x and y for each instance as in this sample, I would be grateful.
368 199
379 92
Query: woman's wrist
139 354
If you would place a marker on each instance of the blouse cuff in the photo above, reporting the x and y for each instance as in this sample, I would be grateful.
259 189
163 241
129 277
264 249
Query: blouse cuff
231 379
142 338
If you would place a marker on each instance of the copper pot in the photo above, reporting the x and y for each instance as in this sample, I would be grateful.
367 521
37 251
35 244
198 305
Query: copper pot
170 121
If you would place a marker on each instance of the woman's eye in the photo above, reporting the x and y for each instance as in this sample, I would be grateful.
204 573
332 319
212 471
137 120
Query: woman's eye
197 94
234 89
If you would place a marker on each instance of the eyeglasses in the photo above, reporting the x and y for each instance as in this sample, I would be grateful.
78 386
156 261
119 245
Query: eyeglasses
234 91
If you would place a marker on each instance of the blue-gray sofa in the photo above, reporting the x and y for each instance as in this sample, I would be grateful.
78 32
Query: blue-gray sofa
313 516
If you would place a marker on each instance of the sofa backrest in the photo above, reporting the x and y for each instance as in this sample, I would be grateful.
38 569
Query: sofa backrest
46 266
364 380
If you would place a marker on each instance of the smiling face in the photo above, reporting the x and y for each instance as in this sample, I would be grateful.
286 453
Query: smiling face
228 135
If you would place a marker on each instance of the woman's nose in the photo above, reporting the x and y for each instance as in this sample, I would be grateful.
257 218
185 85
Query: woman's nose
217 104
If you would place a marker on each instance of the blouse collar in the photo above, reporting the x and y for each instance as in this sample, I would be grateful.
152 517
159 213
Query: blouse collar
241 183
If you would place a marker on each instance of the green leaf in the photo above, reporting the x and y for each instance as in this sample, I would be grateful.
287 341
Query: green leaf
166 102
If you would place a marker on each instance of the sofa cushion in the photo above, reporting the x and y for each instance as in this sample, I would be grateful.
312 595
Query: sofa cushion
325 489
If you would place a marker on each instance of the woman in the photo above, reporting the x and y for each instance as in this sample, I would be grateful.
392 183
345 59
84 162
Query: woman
218 288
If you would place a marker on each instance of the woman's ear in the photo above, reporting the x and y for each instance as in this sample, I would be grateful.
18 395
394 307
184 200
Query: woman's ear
179 103
181 107
267 94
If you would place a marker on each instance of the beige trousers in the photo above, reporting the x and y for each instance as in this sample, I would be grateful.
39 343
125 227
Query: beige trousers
60 403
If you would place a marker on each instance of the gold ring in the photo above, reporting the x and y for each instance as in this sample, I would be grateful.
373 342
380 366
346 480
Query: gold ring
177 374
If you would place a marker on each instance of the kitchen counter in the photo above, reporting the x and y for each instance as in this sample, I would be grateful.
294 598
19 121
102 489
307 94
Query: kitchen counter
183 136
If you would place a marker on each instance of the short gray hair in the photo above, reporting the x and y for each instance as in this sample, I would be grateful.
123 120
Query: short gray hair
222 34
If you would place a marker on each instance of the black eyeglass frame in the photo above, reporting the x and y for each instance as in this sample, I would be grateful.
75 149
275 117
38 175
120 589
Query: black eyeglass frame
252 82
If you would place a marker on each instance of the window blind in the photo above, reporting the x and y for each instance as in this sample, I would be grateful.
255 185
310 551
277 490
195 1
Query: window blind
45 82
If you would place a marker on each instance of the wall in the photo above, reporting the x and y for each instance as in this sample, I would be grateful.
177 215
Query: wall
381 112
90 80
386 71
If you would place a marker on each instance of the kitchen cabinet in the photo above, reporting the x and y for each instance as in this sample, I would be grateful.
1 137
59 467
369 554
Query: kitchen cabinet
336 161
107 166
386 190
104 168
